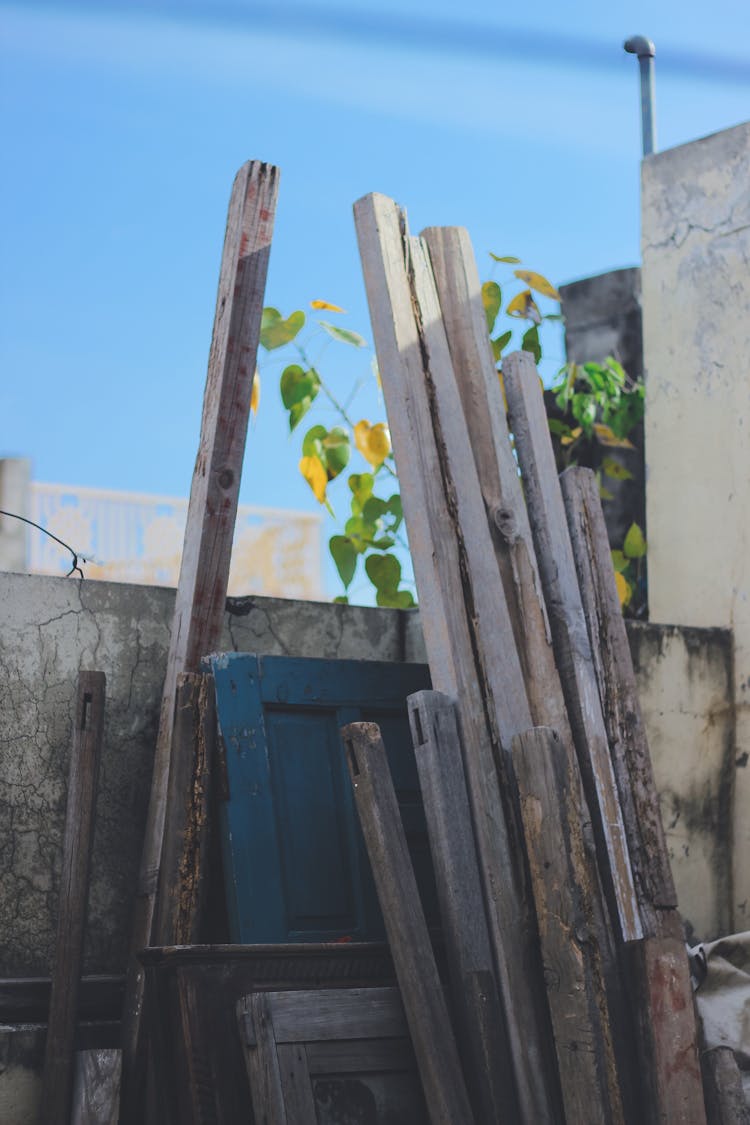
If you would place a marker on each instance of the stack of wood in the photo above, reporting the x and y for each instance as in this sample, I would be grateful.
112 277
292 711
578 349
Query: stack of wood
571 994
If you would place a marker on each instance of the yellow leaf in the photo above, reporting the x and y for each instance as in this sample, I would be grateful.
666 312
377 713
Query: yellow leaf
606 436
315 475
624 589
373 442
326 305
568 439
524 306
536 281
255 394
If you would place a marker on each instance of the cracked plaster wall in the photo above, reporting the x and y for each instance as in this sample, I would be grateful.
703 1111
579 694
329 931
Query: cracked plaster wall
52 627
696 322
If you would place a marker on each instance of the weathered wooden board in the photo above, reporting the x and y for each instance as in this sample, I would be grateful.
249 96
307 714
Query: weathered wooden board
78 838
725 1098
96 1087
481 1034
204 571
465 617
421 989
619 696
666 1030
182 879
552 818
574 659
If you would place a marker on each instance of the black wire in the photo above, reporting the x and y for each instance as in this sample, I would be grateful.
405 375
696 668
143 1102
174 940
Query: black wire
75 567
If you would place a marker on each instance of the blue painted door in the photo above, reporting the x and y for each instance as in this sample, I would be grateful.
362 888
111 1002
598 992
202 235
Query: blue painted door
295 863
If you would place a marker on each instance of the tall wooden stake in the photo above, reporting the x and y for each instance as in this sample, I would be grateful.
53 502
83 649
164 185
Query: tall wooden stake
57 1083
204 573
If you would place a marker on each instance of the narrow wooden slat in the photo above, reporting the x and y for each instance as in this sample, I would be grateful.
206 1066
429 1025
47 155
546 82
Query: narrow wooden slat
421 990
666 1030
552 821
725 1098
481 1032
336 1013
96 1088
554 554
182 880
204 571
294 1073
619 695
78 836
464 614
261 1059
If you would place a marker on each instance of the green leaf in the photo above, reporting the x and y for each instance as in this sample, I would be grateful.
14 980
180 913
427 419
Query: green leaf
557 427
344 334
530 343
492 299
373 508
275 331
499 343
361 533
296 385
362 485
384 571
345 556
634 546
341 599
395 599
337 448
615 470
298 412
619 561
312 443
510 260
383 544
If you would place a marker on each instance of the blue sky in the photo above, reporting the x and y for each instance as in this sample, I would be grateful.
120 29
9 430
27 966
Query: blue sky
123 128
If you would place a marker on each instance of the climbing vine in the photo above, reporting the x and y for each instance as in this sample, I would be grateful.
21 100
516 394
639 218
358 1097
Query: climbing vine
588 405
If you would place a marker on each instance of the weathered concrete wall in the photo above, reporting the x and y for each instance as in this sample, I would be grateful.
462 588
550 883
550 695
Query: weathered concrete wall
696 318
51 628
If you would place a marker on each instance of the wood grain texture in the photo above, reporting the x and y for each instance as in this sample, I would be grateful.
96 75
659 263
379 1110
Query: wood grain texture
619 695
465 618
421 990
182 879
552 822
261 1059
664 1010
96 1087
573 654
212 509
78 837
481 1031
725 1098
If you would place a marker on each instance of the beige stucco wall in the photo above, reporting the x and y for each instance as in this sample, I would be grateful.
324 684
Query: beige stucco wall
696 326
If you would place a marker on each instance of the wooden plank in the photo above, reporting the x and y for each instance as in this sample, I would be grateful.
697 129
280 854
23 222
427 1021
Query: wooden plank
78 836
336 1013
725 1098
96 1088
261 1059
619 695
552 820
182 879
296 1084
421 990
463 610
348 1057
574 658
204 571
666 1032
476 1002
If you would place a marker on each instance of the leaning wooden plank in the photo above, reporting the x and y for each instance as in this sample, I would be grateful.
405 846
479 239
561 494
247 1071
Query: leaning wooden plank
204 572
261 1059
421 990
464 614
481 1033
725 1098
619 696
666 1030
83 775
554 554
552 821
182 880
96 1088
